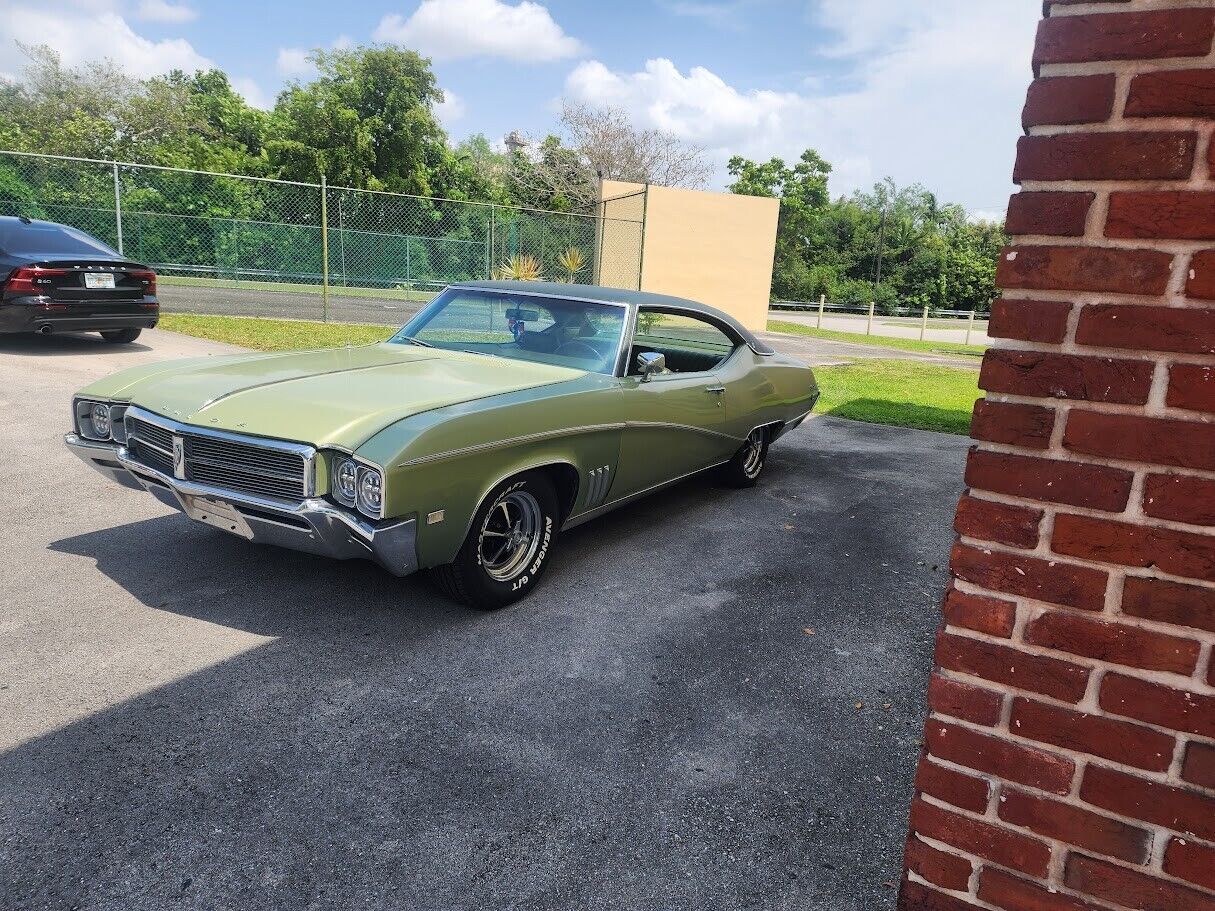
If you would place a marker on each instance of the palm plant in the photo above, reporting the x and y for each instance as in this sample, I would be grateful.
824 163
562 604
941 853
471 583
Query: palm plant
573 262
520 267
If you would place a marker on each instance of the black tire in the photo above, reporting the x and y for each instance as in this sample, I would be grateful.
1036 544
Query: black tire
486 578
120 336
744 469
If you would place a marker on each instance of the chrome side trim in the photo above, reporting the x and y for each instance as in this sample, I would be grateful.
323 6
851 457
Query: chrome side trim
634 425
512 441
588 514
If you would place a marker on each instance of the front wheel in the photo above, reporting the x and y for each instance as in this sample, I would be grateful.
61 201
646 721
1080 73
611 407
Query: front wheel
120 336
508 546
744 469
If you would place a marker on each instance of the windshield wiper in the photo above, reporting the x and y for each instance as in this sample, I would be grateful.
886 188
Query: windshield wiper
416 341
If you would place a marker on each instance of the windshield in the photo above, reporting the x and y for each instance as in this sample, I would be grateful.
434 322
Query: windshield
565 333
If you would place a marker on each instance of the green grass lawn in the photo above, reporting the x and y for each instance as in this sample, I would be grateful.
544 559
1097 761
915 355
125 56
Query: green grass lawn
880 341
398 294
274 334
899 393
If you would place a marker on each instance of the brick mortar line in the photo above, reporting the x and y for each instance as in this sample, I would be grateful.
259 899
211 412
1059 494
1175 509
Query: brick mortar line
1076 457
1182 245
1104 297
1180 682
1042 548
1062 11
1159 837
1082 761
1105 352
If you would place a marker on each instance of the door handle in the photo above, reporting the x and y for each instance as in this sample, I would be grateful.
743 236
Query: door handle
715 390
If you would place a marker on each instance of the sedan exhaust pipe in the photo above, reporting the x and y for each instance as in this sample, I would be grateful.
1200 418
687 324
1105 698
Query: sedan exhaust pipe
44 329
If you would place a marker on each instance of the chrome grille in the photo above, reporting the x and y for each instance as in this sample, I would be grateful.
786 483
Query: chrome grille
275 470
248 468
150 456
150 444
159 437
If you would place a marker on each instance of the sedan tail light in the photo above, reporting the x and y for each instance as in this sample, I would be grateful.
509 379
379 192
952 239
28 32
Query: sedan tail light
148 277
31 279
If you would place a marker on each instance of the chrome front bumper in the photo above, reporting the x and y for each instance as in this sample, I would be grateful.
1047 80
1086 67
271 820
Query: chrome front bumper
314 526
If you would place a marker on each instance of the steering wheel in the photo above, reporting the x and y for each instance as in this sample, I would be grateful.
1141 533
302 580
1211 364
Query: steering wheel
576 348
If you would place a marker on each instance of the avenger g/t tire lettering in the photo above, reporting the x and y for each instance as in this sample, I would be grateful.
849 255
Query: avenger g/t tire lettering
508 546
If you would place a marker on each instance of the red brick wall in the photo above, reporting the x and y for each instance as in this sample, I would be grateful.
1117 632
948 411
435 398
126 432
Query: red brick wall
1069 759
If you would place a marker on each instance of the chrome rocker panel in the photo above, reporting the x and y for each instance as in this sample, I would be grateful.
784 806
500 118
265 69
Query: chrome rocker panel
314 526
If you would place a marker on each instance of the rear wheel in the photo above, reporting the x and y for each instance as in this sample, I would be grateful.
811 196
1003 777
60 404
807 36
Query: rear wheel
748 463
120 336
508 546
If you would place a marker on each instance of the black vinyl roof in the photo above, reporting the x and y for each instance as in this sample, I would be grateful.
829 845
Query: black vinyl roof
622 296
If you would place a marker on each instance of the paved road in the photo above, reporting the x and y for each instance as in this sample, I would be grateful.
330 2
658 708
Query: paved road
285 304
301 305
192 721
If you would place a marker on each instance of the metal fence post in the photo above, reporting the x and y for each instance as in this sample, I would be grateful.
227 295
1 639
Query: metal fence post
489 267
970 324
645 214
822 302
869 324
924 324
118 206
324 252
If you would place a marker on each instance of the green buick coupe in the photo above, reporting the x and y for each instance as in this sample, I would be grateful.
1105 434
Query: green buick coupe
503 413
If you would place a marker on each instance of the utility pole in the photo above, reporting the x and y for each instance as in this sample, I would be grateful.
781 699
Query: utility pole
877 273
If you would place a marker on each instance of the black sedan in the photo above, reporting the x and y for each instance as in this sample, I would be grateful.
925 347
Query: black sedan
59 279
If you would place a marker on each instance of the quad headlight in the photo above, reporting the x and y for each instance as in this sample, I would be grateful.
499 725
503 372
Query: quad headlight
100 421
99 417
346 482
360 486
371 492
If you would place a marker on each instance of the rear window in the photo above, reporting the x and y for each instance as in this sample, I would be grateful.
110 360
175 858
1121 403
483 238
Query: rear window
41 240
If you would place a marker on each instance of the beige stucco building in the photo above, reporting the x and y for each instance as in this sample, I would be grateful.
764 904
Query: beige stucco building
712 247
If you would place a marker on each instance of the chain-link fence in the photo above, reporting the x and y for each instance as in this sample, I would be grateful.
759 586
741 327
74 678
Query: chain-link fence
342 253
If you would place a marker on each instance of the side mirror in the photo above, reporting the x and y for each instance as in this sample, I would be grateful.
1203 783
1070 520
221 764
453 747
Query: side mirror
650 363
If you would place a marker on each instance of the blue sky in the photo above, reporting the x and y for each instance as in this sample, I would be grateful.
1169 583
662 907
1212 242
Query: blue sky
921 90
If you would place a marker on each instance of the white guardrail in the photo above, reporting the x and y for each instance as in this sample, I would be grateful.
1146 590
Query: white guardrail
968 320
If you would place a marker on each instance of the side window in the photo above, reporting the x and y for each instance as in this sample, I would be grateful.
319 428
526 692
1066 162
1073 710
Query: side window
690 344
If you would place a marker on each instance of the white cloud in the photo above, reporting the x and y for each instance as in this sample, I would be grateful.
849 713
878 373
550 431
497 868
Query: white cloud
163 11
453 29
81 35
293 61
450 109
253 93
933 98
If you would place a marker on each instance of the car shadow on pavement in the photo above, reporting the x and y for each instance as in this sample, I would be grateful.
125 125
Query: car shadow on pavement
714 701
62 343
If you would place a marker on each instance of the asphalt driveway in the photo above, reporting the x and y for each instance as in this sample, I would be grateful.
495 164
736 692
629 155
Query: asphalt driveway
713 702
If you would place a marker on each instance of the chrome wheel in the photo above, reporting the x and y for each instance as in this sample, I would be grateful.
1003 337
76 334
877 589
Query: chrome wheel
753 454
510 535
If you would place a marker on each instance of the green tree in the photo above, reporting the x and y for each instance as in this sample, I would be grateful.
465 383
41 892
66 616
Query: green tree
366 121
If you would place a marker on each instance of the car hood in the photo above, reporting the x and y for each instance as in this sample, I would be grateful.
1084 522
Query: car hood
334 397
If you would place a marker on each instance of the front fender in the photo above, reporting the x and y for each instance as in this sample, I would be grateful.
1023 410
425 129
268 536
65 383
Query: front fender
441 465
